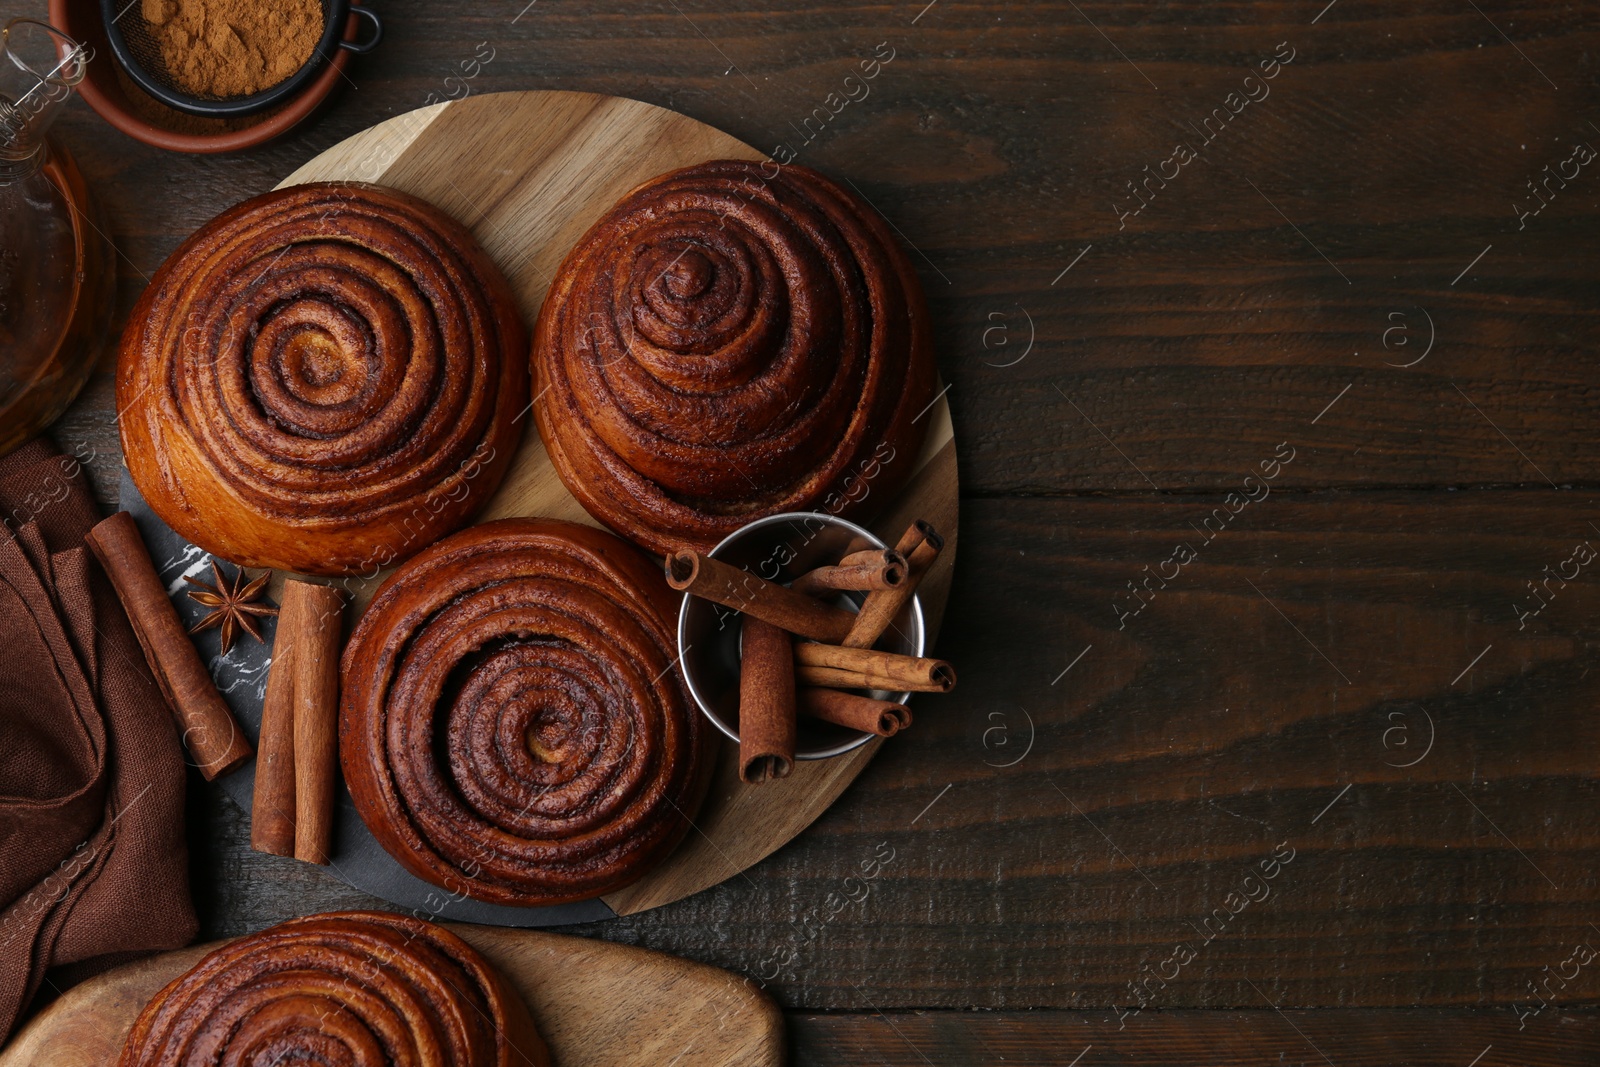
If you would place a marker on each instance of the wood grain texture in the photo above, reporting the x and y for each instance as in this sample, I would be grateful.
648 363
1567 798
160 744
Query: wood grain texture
1192 342
596 1005
998 140
1175 755
1184 1038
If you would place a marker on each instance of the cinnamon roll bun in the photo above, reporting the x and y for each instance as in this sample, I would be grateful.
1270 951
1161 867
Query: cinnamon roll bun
732 340
513 726
323 379
362 989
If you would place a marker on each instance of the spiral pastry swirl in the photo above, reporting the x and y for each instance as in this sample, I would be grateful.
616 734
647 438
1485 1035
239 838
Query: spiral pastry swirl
358 989
512 724
732 340
322 379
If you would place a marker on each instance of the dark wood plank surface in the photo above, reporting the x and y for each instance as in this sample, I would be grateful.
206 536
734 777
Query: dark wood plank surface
1184 1038
1114 378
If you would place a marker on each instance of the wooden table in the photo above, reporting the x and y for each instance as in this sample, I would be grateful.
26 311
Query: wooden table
1278 461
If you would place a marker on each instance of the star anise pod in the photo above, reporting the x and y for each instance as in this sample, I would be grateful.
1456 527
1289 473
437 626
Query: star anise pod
232 604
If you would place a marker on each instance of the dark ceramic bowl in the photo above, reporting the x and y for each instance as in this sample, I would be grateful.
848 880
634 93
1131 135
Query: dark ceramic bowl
109 96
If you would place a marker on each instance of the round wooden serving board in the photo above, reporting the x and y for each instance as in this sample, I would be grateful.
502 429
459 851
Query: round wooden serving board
597 1005
529 173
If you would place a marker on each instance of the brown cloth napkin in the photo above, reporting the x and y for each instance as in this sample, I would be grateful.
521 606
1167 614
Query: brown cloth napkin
93 866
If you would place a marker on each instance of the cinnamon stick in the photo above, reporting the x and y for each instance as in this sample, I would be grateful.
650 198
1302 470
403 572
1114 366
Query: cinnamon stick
272 804
214 739
712 579
878 670
292 814
857 572
841 678
314 666
766 702
920 545
882 717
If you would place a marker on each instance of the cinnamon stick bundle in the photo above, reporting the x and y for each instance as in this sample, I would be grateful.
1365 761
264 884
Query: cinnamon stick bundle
882 717
766 702
920 545
857 572
712 579
292 814
865 668
214 738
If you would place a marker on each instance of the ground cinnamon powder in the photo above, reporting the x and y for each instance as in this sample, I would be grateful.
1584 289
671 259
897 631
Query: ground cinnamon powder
223 48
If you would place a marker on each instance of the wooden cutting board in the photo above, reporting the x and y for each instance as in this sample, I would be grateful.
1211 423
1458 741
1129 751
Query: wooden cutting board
597 1005
529 173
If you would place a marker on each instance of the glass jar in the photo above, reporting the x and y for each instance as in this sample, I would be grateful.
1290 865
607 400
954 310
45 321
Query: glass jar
57 282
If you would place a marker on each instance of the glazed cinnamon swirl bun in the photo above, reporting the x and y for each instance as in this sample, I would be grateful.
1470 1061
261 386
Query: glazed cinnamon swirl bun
512 725
732 340
322 379
362 989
